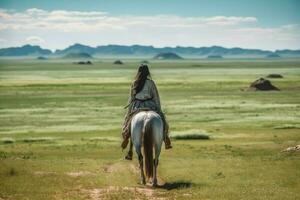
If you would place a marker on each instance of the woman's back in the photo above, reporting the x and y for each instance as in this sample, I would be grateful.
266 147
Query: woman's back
149 92
146 92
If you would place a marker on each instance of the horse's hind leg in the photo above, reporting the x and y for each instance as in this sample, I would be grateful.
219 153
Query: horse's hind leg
155 162
143 179
158 144
154 180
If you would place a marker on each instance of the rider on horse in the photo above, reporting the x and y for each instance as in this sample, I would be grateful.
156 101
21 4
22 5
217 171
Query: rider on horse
143 96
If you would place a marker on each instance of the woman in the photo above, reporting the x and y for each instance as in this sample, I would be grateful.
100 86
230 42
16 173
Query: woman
143 96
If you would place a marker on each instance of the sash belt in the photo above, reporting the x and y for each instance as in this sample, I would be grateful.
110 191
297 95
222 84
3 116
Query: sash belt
136 99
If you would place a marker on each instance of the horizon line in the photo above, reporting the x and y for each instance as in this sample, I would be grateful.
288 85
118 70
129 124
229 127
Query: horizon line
76 43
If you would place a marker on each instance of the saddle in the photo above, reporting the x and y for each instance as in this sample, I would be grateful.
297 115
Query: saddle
133 113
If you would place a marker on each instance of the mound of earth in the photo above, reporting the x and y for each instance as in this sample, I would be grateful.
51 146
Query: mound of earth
167 56
273 55
274 76
262 84
84 63
214 56
41 58
118 62
144 61
78 55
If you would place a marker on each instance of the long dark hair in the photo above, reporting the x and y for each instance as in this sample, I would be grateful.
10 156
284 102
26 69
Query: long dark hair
140 79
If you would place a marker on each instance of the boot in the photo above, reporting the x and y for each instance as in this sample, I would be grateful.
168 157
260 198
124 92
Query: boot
168 143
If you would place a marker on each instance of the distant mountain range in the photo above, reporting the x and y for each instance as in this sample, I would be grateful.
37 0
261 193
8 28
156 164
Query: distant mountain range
26 50
139 50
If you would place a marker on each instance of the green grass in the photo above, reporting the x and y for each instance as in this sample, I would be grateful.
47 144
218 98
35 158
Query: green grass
60 130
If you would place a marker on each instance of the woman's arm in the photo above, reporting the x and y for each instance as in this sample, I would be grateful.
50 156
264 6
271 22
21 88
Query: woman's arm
155 95
130 95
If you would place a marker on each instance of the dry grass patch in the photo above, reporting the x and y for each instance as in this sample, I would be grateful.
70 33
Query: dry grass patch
80 173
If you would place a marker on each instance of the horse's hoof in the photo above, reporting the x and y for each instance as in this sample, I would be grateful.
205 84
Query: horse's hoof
143 182
154 184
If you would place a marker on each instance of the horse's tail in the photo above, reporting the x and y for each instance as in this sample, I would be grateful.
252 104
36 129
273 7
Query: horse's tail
148 149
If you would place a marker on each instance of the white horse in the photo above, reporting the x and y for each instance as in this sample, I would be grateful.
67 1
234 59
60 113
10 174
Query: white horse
147 132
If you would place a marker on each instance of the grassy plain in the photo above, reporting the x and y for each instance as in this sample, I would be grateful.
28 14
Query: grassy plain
60 130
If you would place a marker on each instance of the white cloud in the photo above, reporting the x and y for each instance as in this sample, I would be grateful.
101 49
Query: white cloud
222 20
35 11
85 21
34 40
60 28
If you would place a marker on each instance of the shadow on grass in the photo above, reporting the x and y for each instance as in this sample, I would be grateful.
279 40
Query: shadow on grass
176 185
191 137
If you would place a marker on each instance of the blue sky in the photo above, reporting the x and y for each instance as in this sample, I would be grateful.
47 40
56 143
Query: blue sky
266 24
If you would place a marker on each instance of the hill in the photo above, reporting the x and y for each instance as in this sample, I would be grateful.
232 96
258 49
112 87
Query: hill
167 56
26 50
75 49
288 53
77 55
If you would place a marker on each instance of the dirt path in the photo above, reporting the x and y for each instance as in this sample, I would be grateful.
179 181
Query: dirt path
136 192
109 192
